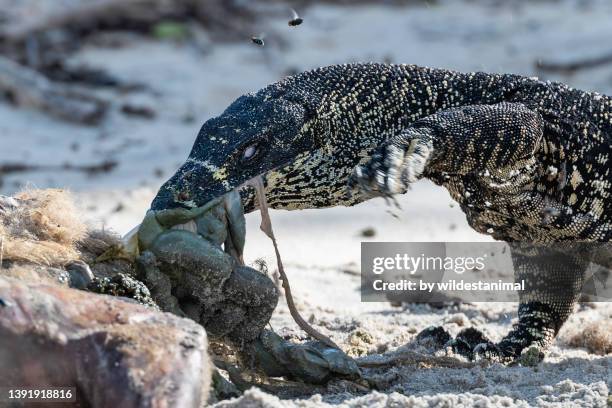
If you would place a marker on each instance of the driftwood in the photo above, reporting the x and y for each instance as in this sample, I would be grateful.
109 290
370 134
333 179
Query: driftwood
571 67
32 38
266 227
42 40
83 18
26 87
412 357
91 169
59 71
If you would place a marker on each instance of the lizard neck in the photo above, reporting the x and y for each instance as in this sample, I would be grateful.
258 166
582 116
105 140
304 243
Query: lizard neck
353 109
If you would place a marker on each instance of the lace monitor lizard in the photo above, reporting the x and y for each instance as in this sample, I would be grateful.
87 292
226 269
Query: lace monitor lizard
527 161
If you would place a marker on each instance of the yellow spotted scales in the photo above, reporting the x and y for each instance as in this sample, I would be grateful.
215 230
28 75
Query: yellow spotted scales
527 160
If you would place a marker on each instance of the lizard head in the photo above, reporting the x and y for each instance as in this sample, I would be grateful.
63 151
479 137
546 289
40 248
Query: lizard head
257 133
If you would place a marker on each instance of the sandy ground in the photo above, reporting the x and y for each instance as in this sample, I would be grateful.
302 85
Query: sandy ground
189 83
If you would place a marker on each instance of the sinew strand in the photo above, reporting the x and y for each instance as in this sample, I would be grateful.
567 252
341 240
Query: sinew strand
266 227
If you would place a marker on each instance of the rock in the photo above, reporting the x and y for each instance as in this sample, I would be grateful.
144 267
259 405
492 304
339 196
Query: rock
115 352
433 337
80 274
36 274
123 285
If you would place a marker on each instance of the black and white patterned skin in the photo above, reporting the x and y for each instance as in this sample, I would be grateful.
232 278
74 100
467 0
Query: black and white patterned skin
528 161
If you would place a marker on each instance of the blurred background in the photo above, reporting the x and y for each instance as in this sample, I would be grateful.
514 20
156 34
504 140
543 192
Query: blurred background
105 97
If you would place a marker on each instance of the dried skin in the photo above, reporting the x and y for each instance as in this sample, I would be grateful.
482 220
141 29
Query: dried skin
189 273
266 227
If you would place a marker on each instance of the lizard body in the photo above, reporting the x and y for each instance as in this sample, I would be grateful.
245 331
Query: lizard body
527 160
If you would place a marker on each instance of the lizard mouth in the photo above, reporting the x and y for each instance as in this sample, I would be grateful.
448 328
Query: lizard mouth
172 217
178 198
224 225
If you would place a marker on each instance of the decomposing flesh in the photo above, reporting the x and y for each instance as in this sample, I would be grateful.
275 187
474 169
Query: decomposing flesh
191 261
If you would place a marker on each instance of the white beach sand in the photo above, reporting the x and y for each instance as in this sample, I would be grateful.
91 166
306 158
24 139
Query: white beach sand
321 248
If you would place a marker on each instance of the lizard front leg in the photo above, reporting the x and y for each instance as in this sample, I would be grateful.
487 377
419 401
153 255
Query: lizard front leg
489 141
466 140
553 282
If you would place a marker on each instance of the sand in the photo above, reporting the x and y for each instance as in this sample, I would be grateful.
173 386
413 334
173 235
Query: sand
321 248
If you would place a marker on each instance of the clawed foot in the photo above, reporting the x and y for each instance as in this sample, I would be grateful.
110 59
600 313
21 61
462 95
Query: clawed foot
392 168
474 345
312 362
469 343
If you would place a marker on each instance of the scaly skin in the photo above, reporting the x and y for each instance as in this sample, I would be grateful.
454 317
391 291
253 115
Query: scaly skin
189 274
528 161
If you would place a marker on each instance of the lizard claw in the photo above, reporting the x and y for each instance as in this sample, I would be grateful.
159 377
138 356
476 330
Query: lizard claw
500 352
391 169
312 362
474 345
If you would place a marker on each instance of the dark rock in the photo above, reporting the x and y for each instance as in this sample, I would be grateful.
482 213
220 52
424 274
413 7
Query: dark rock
368 232
122 285
138 111
115 352
80 274
433 337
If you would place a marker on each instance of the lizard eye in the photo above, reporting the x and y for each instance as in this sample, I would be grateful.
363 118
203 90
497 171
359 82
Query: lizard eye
249 152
